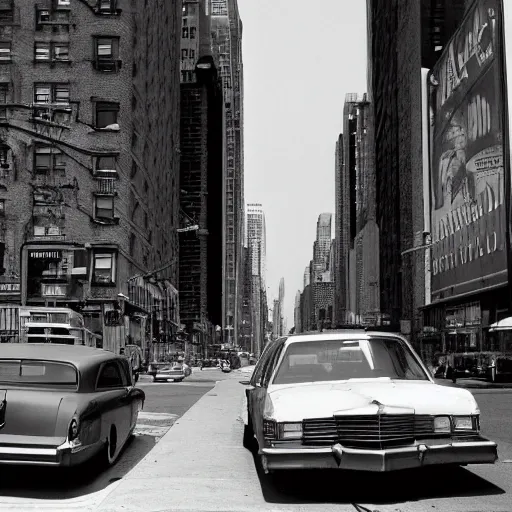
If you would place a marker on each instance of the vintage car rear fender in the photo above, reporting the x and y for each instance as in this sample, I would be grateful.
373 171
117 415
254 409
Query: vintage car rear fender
34 412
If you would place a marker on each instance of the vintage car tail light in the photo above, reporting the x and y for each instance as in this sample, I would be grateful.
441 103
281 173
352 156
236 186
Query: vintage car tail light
269 429
463 423
290 431
73 430
442 424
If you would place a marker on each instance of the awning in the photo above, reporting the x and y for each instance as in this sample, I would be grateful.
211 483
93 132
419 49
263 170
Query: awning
502 325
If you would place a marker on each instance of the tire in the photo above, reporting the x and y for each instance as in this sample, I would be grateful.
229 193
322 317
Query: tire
110 453
178 380
249 440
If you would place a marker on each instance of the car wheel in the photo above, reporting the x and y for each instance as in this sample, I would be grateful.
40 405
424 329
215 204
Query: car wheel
249 440
111 447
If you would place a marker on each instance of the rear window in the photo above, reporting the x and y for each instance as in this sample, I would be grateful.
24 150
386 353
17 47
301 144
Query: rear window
38 373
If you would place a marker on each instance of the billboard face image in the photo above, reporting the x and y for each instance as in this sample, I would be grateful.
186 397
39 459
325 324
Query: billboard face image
467 172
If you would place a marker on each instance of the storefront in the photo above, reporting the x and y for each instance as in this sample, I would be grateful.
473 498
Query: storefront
459 333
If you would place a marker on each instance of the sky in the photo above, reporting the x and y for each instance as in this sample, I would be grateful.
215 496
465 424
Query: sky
299 63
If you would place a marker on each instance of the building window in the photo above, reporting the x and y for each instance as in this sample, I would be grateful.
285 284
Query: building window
106 7
6 11
106 114
4 89
104 207
193 32
59 20
48 158
184 54
192 54
106 53
55 52
184 32
63 3
105 165
51 93
53 290
47 231
5 51
104 268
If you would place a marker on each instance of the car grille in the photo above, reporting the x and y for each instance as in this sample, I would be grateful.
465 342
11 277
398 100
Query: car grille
367 431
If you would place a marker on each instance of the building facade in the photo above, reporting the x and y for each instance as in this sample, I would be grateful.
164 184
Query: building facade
83 210
469 220
402 37
201 181
226 29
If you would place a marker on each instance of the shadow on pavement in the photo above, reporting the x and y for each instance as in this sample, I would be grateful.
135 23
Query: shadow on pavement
341 487
66 483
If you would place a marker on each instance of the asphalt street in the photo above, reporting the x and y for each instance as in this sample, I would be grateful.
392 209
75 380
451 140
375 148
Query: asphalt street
474 488
165 402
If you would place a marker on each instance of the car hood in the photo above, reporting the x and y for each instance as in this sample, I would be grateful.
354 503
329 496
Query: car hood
320 400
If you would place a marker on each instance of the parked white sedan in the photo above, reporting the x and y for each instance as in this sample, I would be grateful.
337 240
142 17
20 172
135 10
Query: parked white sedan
357 400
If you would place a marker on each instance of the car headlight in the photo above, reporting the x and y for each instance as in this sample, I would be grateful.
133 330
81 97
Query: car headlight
290 431
463 423
269 429
442 424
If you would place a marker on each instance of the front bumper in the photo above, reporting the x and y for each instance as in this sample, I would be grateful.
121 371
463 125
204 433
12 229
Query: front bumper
39 453
418 455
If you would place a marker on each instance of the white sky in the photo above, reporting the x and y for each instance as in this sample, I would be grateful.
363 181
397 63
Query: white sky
299 62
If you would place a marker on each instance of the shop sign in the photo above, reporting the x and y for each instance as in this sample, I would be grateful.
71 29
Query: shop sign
467 170
45 255
9 288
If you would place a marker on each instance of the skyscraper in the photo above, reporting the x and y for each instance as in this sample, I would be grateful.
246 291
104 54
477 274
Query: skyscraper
322 246
402 37
201 179
226 29
256 243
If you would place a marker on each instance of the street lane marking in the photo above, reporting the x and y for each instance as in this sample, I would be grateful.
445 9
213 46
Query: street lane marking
157 416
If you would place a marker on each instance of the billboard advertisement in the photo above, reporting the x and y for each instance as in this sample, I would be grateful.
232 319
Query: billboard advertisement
468 218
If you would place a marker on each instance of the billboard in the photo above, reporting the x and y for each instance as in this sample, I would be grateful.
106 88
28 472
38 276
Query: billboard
468 219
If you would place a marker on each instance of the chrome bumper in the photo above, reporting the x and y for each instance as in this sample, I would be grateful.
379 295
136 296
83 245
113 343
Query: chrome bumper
33 455
166 376
415 456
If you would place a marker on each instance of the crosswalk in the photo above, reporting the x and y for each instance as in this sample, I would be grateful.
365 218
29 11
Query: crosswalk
154 424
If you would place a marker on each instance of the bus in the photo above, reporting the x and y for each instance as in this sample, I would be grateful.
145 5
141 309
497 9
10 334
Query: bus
55 325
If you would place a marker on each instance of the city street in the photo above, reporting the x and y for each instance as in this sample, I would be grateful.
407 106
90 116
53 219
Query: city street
165 402
202 459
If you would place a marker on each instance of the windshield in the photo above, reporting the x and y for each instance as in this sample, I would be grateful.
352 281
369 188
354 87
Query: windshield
327 360
40 373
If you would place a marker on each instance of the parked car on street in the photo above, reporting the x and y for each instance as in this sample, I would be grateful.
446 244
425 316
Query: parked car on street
163 372
61 405
357 400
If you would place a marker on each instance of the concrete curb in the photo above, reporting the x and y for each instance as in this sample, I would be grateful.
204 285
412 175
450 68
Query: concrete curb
473 384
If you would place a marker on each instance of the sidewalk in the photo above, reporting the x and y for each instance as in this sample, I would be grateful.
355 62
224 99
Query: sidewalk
474 384
200 464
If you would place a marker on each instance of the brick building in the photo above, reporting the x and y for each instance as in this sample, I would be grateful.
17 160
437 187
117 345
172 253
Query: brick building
403 36
89 179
